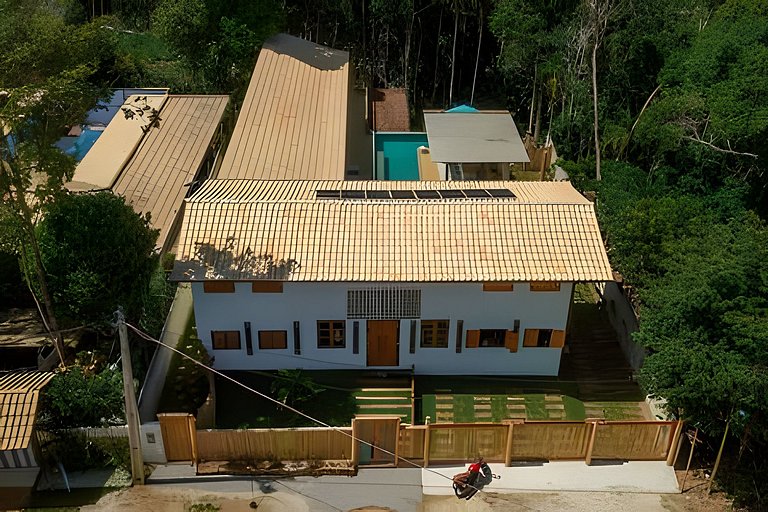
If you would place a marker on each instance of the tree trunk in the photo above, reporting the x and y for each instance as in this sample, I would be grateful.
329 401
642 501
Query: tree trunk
365 51
406 57
453 53
51 323
537 126
416 68
594 103
477 58
437 55
533 98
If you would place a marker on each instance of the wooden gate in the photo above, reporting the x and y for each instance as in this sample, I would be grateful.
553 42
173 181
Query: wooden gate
382 432
179 437
383 342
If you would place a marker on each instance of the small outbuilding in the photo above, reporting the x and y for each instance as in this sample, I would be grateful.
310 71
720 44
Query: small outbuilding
479 145
19 454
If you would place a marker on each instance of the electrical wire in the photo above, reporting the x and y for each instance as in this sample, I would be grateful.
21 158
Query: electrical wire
147 337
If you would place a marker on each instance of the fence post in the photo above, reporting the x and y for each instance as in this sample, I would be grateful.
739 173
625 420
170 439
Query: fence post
591 444
426 445
672 455
355 444
508 455
192 425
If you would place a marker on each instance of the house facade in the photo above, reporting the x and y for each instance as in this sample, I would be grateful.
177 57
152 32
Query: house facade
435 277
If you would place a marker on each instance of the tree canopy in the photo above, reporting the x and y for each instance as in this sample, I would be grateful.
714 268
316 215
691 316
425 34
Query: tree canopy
99 254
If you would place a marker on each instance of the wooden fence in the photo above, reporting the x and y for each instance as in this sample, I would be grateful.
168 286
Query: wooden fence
279 444
445 443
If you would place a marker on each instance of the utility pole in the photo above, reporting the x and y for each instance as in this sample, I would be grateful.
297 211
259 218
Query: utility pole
131 409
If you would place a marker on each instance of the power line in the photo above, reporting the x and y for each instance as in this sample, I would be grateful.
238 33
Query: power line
147 337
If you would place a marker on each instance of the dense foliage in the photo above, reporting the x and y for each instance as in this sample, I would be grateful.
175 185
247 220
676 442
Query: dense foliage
99 254
699 262
80 398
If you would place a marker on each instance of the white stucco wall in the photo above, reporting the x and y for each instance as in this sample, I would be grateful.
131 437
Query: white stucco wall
310 302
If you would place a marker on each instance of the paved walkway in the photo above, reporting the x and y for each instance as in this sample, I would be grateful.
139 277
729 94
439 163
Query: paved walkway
638 476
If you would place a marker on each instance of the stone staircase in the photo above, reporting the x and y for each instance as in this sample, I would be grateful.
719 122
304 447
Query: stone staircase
594 359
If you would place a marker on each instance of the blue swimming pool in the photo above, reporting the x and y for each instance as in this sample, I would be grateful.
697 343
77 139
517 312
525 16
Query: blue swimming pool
83 143
396 157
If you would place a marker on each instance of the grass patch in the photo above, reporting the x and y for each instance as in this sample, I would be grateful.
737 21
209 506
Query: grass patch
499 408
574 409
238 408
534 407
463 408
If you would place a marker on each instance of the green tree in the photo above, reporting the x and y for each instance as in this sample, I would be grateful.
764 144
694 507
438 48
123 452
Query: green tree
712 113
218 39
76 398
99 254
50 76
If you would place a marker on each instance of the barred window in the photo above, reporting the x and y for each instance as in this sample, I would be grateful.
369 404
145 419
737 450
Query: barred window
384 303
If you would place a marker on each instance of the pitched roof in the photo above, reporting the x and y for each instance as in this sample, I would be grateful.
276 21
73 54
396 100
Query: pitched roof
101 166
252 230
19 393
390 110
156 179
153 167
293 122
474 137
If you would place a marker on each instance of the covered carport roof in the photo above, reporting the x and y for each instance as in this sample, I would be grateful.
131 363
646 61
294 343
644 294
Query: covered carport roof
474 137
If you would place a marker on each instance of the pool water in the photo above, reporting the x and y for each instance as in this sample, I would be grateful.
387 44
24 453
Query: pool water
83 143
396 155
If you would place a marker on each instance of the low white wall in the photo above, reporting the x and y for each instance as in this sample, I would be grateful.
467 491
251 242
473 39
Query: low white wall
310 302
152 447
624 322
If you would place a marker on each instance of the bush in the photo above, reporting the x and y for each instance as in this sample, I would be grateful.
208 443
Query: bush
75 399
186 386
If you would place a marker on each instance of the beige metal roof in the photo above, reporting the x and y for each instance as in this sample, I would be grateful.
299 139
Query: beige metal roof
19 393
250 230
474 137
156 179
293 122
101 166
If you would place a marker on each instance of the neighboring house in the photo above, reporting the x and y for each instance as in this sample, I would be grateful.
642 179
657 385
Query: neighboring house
439 277
469 144
19 453
302 117
156 155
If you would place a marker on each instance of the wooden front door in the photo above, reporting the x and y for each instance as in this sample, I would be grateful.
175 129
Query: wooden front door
383 342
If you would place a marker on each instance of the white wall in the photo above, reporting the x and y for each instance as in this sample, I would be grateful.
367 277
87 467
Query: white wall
623 319
153 453
309 302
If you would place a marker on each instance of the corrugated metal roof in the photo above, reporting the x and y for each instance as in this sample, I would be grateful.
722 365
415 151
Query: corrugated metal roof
479 137
19 394
168 158
101 166
293 122
251 230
